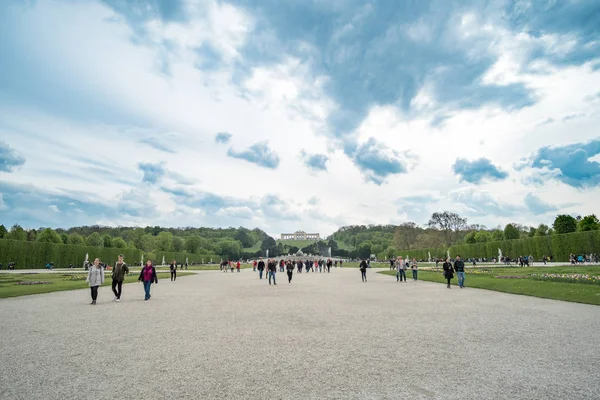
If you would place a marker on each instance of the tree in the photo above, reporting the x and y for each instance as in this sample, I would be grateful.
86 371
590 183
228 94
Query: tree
244 237
17 233
364 249
3 231
470 238
390 252
94 240
376 249
107 241
31 235
147 242
497 235
589 223
76 239
48 236
511 232
482 237
193 243
65 238
449 223
178 244
119 243
164 241
564 224
269 243
542 230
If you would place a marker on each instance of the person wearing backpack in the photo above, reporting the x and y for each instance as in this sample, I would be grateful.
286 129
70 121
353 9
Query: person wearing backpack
363 270
118 275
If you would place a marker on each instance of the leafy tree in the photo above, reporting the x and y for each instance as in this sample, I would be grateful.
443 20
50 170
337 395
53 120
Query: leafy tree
94 240
376 249
193 243
564 224
542 230
178 244
531 232
3 231
497 235
269 243
293 249
48 236
31 235
470 238
589 223
164 241
449 223
482 237
119 243
65 238
364 249
333 244
244 237
390 252
107 240
77 239
17 233
147 242
511 232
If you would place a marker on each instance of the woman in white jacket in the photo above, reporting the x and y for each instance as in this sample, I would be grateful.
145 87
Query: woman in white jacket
95 278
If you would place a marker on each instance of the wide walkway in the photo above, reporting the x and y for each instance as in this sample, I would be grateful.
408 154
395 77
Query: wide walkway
326 336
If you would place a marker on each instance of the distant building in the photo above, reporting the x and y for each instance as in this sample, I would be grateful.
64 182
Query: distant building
300 235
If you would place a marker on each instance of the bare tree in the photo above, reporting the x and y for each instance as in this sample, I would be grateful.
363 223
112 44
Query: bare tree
448 223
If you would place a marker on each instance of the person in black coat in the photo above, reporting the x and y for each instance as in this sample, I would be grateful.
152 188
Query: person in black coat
363 270
261 268
448 271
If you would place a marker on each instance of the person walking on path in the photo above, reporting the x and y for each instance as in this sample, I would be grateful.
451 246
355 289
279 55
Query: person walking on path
254 265
459 267
290 271
272 265
400 270
261 268
363 270
148 276
238 265
119 273
414 266
173 271
448 271
95 278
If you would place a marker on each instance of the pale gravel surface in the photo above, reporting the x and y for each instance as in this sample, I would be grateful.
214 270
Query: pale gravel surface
231 336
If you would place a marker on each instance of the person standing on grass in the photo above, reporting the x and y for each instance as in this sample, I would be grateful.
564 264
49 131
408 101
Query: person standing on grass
148 276
173 268
95 278
119 273
290 271
448 271
400 270
414 266
272 265
459 267
363 270
261 268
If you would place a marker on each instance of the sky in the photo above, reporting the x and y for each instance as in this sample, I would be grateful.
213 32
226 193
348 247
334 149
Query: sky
297 115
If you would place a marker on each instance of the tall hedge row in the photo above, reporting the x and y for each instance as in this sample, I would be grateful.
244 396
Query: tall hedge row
558 246
36 255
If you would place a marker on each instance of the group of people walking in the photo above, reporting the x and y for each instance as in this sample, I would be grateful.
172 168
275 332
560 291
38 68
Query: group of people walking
458 267
289 266
401 266
96 277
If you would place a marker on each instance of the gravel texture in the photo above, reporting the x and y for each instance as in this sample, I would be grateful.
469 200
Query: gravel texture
326 336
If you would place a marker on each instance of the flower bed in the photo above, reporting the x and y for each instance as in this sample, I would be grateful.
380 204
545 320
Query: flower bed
569 278
33 283
510 277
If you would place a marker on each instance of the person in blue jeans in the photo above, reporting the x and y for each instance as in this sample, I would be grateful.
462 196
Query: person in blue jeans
272 267
459 267
414 266
148 275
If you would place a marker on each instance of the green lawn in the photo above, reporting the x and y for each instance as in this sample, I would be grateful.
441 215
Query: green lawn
487 278
9 286
298 243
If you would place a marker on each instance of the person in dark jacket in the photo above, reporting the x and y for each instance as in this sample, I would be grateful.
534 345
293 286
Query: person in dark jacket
448 271
459 267
290 271
363 270
119 273
261 268
272 266
148 275
173 269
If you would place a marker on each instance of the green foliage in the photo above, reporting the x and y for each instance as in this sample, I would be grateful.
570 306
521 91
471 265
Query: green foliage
49 236
497 235
470 238
511 232
31 235
163 242
564 224
94 240
542 230
178 244
482 237
107 241
588 223
3 231
119 243
17 233
77 239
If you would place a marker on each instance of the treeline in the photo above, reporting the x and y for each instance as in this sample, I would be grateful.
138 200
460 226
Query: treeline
37 254
557 246
231 243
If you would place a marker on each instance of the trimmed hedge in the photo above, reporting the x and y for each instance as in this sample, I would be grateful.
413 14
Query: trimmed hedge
558 246
28 255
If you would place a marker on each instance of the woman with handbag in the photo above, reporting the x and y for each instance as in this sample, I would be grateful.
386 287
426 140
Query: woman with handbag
95 278
448 271
148 275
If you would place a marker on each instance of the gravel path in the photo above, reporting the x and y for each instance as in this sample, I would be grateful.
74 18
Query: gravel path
326 336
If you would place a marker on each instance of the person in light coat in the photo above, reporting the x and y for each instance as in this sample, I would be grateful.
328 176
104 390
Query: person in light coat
95 279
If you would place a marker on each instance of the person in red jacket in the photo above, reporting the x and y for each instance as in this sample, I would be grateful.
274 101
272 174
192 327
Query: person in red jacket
148 276
238 266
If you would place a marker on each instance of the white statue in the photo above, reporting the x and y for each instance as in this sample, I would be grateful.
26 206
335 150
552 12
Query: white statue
429 256
448 253
499 254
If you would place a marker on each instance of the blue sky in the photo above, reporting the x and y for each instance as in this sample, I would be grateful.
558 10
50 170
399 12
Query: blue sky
299 114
